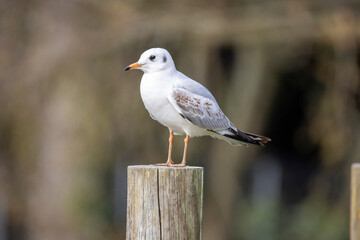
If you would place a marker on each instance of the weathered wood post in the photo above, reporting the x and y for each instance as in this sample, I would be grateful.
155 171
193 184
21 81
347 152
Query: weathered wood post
164 203
355 202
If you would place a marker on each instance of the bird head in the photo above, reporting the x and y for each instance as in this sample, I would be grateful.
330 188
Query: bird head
153 60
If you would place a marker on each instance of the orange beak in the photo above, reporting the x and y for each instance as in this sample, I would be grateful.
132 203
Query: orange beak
133 66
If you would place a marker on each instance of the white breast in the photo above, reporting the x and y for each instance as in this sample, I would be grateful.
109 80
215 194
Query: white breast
154 90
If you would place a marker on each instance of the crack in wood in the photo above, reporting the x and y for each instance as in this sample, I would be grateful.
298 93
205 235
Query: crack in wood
158 194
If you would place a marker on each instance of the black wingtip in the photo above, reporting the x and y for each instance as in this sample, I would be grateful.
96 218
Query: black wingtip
248 137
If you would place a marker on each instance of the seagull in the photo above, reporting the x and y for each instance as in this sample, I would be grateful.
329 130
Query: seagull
183 105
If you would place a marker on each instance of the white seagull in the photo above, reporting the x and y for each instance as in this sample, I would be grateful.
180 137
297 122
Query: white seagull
183 105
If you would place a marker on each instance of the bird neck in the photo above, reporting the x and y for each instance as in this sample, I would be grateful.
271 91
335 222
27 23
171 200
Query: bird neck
168 70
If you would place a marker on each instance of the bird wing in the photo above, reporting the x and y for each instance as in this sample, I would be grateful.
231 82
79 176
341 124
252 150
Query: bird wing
200 110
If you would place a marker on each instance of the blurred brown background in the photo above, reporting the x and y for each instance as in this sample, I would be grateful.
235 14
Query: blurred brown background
71 120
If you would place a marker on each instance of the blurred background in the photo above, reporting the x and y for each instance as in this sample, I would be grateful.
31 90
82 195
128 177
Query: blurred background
71 120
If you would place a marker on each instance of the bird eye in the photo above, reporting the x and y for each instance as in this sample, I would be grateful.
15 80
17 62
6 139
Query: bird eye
152 57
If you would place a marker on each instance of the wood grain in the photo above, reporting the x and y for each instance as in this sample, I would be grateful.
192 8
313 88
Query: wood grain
355 202
164 203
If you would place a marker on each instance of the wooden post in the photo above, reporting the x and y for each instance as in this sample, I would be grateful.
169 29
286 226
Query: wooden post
164 203
355 202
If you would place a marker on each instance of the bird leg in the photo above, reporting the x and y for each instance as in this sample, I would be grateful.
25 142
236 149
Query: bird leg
169 160
183 162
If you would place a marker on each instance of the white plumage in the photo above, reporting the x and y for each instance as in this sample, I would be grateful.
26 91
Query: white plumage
182 104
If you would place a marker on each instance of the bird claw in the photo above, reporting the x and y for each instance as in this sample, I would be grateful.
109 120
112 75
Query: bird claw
176 165
170 164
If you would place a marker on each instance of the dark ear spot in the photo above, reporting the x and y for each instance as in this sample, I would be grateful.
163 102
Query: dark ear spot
164 58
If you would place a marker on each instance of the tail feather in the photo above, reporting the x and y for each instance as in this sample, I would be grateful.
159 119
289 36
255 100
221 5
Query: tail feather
248 137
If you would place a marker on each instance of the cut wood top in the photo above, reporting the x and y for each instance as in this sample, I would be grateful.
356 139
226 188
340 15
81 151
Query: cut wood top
164 167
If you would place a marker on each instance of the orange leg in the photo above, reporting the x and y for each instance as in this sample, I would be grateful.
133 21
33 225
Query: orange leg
183 162
169 160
